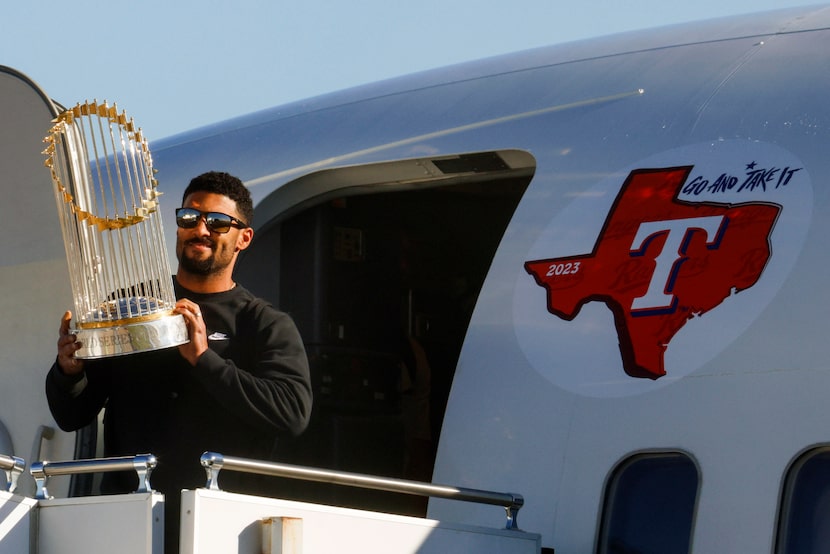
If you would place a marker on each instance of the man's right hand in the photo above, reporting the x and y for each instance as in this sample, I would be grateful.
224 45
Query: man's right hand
67 346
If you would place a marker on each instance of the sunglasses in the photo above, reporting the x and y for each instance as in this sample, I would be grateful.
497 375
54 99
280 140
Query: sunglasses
188 218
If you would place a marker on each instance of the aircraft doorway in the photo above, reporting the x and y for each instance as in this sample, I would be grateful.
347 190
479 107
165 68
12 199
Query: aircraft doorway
381 279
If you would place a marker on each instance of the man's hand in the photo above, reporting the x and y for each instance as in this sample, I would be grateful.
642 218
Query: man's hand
191 351
67 346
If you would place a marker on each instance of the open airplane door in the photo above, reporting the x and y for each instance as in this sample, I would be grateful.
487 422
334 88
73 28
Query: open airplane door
33 277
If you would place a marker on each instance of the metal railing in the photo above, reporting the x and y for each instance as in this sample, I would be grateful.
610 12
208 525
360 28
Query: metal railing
143 464
213 463
12 466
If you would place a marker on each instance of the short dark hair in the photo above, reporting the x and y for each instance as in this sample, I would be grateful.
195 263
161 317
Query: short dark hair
225 184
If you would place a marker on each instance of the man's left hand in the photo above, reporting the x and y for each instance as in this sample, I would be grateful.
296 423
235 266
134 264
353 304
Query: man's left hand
191 351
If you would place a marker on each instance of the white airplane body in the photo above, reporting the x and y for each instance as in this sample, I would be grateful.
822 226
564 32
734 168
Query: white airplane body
609 250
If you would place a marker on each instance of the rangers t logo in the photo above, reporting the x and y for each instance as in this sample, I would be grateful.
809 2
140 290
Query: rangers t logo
660 261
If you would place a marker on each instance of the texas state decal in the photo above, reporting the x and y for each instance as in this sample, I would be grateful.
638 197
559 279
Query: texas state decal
657 269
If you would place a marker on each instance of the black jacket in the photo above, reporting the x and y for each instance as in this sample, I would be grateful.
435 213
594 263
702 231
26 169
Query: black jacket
249 388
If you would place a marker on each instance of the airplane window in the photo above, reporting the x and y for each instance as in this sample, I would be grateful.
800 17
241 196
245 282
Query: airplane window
649 505
804 527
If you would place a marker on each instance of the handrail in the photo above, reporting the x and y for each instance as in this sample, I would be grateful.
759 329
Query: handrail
142 463
44 432
213 463
13 467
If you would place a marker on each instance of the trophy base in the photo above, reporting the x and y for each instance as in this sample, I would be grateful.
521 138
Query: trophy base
132 337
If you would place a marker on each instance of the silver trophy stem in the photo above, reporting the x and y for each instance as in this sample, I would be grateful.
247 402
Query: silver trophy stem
131 337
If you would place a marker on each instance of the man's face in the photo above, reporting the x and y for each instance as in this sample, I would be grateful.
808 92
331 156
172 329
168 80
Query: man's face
204 252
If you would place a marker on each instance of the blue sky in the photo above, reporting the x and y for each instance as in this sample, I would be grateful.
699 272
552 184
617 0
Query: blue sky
178 64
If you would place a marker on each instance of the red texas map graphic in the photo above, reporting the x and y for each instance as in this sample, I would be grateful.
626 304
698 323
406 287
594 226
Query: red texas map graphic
658 262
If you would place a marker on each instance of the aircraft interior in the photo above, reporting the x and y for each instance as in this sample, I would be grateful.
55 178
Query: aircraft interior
381 282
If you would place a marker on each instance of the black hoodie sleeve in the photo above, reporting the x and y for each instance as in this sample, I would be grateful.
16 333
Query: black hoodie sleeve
73 400
270 388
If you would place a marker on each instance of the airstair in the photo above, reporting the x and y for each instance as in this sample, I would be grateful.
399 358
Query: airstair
217 521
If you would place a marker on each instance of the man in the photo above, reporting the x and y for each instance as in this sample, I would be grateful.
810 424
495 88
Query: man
241 381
